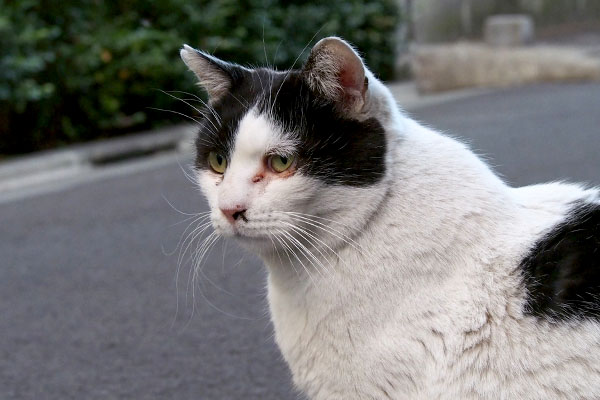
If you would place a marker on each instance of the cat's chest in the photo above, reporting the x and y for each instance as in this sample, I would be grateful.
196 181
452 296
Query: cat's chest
337 345
381 336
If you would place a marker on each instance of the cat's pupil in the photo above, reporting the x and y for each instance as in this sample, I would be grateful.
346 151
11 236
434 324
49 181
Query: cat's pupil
219 159
284 160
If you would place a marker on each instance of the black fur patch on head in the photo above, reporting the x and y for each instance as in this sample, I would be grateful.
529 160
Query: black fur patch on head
333 148
562 271
221 120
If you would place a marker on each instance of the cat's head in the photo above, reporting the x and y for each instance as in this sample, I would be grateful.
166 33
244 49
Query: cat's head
295 158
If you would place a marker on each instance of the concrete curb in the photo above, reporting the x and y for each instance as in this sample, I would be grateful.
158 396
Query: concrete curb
138 145
52 164
409 98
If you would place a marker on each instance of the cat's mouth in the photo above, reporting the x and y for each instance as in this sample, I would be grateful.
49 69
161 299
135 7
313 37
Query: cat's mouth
241 215
243 229
252 239
272 228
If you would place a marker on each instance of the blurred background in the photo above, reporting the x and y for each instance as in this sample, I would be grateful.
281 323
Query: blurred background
79 70
100 226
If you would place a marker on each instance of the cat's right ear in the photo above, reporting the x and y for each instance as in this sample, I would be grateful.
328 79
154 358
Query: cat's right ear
214 75
336 71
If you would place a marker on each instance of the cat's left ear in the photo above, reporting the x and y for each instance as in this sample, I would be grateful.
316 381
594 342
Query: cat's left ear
335 70
215 75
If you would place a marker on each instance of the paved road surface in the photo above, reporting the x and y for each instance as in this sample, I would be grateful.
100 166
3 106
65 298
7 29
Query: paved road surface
92 307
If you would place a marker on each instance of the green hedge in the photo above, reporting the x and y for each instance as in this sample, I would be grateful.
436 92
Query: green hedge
79 70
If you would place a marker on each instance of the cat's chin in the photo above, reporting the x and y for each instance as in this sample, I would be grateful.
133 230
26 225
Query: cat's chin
260 245
250 239
255 242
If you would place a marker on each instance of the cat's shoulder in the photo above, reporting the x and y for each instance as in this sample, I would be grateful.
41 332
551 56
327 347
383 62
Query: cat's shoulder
561 270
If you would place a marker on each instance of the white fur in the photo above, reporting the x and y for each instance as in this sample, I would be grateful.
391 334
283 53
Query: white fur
417 293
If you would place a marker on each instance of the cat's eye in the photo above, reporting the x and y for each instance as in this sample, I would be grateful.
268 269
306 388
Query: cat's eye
279 163
217 162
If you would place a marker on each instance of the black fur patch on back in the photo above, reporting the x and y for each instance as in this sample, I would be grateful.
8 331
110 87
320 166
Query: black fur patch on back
333 148
562 271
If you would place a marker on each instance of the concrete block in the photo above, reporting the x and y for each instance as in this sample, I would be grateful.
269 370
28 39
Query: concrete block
438 68
508 30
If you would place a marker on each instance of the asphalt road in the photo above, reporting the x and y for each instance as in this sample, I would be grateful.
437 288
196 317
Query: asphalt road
92 305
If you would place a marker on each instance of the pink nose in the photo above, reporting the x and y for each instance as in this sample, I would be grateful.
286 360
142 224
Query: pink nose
235 213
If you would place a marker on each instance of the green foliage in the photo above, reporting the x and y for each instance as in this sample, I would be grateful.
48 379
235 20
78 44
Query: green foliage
79 70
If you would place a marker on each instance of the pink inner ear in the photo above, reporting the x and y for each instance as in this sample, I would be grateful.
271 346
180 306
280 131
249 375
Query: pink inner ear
352 79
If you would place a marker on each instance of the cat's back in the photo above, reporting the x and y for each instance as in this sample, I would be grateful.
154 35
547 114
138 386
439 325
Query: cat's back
561 267
551 340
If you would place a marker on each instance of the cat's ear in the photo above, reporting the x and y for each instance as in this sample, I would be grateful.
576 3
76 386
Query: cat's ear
336 71
214 75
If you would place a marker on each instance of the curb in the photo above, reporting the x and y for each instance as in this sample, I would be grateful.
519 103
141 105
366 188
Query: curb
139 145
52 164
100 153
409 98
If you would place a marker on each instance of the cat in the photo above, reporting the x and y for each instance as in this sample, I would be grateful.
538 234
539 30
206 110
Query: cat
399 265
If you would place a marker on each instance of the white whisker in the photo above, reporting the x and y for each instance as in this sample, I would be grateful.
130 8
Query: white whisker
195 108
285 235
176 112
319 225
292 67
280 241
305 233
199 99
312 256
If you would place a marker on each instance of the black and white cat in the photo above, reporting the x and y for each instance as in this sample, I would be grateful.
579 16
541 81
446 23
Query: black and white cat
400 266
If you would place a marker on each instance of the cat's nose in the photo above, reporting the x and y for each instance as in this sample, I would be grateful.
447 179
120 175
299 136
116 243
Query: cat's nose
235 213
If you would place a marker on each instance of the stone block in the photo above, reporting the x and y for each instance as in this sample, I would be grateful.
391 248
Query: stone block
508 30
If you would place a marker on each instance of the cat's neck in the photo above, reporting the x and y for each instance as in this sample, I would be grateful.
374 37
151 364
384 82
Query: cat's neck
433 246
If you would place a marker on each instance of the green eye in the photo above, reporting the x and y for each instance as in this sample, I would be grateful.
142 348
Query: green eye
217 162
280 163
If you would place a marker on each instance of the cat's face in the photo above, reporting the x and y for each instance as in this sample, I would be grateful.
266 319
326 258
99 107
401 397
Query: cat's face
290 159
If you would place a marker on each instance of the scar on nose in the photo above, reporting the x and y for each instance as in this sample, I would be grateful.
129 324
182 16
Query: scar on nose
258 178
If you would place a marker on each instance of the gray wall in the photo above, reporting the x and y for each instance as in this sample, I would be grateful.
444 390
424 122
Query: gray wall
446 20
